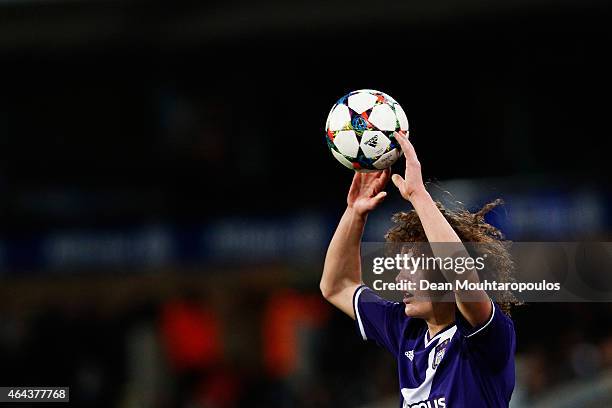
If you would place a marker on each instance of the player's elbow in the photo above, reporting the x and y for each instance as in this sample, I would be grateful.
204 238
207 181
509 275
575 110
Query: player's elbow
331 289
327 290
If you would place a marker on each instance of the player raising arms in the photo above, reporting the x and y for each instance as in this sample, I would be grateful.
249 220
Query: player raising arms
448 354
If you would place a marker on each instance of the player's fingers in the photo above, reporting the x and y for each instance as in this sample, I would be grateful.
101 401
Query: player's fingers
411 156
370 179
412 162
379 197
401 139
398 181
373 176
386 173
355 183
407 147
383 179
359 177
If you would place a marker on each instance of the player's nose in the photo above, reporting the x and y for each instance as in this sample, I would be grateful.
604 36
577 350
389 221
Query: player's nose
400 277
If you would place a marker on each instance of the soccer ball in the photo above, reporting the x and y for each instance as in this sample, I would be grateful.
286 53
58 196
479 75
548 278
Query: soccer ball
361 130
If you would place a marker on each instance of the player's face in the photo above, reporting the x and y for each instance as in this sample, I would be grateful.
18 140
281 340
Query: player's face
416 303
422 309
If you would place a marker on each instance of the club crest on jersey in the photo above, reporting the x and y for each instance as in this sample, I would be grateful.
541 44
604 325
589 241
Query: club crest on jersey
440 350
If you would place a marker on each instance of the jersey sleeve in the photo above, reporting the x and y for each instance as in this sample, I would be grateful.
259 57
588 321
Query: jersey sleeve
492 343
377 319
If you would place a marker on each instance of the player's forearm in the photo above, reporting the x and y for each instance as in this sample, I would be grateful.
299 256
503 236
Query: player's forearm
443 239
343 260
437 229
474 305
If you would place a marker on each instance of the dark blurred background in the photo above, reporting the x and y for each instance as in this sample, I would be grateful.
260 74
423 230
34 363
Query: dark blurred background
167 193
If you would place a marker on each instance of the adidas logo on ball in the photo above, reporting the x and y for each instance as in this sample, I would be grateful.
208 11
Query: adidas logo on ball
373 142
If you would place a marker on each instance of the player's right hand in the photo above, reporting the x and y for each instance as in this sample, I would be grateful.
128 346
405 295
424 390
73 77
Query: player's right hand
366 191
412 182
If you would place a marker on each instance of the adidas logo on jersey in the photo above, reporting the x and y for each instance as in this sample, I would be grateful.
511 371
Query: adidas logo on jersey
410 354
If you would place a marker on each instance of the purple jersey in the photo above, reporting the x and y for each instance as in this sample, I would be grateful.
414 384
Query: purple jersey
461 366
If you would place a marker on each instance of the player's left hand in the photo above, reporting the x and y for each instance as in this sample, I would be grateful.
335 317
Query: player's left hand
412 182
366 191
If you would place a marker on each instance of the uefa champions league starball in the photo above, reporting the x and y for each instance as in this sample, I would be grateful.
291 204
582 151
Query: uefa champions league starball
361 129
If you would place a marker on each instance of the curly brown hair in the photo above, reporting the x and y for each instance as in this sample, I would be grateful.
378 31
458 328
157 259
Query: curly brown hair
470 227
